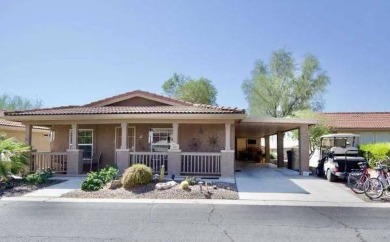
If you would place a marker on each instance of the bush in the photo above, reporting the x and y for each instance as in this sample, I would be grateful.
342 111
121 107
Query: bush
273 155
39 177
93 182
108 173
191 180
377 151
184 185
137 174
96 180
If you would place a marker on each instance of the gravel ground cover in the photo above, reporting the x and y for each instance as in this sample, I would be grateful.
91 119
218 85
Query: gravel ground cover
20 188
384 199
223 191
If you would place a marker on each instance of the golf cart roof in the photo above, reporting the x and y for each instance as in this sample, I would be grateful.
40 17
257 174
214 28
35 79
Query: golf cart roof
340 135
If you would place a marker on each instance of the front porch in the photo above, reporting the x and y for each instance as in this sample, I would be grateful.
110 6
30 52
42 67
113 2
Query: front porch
193 149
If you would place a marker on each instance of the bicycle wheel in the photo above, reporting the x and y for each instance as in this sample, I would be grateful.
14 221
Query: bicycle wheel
356 183
373 188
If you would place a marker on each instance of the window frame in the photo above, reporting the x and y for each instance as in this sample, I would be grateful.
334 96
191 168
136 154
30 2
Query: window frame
128 136
91 144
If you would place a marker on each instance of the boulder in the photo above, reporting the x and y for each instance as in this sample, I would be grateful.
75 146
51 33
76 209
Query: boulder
115 184
165 185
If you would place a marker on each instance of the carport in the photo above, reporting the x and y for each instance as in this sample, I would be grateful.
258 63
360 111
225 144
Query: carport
257 128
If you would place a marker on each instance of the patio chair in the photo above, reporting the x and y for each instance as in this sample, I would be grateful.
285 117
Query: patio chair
96 160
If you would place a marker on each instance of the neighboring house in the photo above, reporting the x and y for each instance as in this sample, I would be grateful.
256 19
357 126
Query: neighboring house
371 126
41 135
142 127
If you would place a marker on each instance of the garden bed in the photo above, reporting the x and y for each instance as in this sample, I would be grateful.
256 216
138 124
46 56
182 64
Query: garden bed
20 187
223 191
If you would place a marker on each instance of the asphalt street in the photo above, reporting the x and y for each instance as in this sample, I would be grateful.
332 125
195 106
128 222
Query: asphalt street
55 221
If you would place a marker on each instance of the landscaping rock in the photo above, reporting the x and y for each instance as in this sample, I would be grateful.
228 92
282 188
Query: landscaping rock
165 185
115 184
215 187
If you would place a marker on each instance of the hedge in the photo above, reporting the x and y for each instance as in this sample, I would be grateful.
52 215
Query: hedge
377 151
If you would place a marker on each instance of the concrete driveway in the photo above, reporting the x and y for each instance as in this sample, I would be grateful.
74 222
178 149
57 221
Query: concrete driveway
268 183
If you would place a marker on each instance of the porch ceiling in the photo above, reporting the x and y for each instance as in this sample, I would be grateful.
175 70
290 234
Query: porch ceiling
261 127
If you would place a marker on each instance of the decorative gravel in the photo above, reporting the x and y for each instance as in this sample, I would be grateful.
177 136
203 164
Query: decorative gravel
20 188
223 191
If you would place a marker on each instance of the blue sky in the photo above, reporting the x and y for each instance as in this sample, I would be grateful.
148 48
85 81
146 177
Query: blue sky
75 52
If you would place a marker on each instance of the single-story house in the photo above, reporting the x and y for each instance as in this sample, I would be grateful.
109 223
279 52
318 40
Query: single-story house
142 127
371 126
12 129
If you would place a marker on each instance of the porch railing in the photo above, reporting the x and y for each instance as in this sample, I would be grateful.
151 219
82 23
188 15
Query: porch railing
193 163
153 160
56 161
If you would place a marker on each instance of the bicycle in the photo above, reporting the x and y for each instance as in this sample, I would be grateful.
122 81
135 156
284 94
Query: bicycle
374 188
358 177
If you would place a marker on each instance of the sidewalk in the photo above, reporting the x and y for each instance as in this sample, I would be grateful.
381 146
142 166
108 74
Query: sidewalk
56 191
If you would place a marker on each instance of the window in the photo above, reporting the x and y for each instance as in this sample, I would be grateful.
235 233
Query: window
85 142
130 138
162 134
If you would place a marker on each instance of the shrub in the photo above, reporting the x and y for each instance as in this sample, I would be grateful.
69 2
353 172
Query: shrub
93 182
39 177
137 174
378 151
184 185
191 180
273 155
108 173
96 180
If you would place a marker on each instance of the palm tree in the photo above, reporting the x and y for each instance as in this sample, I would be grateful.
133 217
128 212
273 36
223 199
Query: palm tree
14 157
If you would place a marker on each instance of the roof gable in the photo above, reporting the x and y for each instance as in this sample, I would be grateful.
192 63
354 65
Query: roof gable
138 98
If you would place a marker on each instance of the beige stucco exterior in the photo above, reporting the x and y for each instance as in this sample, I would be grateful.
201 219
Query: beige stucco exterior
211 138
40 138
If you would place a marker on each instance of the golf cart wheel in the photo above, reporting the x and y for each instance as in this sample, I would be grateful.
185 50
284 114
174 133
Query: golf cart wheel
329 176
319 172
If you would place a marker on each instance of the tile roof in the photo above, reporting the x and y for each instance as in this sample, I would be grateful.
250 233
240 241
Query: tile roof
139 92
358 120
80 110
4 122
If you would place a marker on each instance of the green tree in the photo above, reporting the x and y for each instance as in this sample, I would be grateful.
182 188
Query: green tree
185 88
13 157
315 131
280 88
16 102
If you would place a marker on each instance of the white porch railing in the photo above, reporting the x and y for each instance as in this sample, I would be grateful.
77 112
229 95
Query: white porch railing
153 160
56 161
194 163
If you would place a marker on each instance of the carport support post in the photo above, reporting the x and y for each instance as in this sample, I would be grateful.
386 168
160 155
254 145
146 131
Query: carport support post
267 150
28 134
304 148
280 149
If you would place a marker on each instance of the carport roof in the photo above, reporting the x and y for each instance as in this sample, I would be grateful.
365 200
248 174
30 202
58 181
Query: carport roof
261 127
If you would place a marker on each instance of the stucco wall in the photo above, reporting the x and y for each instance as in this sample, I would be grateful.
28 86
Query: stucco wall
104 138
201 137
138 101
39 142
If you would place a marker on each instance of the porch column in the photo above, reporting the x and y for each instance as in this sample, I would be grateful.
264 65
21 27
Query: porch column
124 136
74 164
28 134
123 154
267 150
175 134
227 135
280 149
304 148
75 135
227 163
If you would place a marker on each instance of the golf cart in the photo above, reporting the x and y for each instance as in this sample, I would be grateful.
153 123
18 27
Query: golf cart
338 156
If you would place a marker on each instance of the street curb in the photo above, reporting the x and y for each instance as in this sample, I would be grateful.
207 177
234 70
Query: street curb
200 201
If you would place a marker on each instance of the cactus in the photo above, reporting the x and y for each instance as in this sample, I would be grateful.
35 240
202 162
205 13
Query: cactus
162 173
184 185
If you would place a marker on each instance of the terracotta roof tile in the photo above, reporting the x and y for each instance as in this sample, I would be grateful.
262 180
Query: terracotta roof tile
139 92
195 109
4 122
358 120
